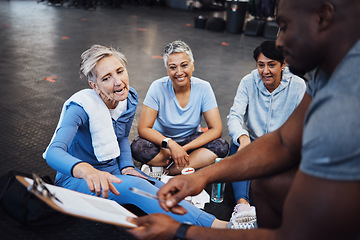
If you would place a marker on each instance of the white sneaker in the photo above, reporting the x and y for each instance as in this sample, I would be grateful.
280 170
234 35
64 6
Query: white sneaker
243 217
145 169
151 171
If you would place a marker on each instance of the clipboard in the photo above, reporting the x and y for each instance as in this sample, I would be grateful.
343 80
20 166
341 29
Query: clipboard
78 204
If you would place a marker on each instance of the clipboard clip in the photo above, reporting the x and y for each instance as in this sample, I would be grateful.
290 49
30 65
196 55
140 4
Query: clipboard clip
38 188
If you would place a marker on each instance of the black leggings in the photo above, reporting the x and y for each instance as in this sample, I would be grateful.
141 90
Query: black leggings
144 150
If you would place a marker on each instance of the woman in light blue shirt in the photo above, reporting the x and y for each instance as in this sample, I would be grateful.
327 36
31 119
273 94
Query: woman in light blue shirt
169 125
264 100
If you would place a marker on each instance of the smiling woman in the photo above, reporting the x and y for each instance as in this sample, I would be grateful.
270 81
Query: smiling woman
180 69
170 117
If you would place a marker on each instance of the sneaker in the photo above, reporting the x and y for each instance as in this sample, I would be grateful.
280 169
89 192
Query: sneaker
145 169
243 217
151 171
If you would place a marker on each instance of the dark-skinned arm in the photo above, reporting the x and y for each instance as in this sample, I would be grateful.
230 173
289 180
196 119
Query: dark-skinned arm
270 154
315 209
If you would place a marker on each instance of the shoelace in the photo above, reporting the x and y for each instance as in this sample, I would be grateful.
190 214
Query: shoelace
156 175
247 225
243 218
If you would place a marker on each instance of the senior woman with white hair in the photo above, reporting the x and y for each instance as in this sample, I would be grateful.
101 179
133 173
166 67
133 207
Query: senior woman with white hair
170 117
90 149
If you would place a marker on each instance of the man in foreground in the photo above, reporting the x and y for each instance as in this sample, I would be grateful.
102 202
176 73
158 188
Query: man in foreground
321 136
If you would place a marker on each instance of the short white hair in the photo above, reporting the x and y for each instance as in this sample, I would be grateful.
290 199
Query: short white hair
177 46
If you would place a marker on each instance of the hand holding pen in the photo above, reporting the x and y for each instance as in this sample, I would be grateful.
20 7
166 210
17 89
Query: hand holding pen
177 209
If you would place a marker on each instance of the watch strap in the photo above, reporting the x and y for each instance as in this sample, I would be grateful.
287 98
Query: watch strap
164 143
181 231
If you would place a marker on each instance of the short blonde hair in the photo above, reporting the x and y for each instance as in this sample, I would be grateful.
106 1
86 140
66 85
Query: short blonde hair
93 55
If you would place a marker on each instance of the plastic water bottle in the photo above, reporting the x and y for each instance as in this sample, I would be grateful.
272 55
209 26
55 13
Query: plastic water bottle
217 189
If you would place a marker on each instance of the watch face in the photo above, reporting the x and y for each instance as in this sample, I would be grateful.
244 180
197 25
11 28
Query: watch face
164 144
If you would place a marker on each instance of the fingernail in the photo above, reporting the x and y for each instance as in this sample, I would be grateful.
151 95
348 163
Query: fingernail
169 203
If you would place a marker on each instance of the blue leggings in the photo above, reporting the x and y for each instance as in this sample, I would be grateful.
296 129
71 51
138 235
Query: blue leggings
194 215
242 188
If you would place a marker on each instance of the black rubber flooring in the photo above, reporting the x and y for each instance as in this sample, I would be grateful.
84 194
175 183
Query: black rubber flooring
40 47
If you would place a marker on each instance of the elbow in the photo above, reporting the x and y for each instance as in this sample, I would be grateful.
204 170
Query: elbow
217 131
52 153
140 128
48 162
49 158
141 131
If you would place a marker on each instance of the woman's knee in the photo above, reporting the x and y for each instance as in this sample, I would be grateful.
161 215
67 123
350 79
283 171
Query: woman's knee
128 181
218 146
143 150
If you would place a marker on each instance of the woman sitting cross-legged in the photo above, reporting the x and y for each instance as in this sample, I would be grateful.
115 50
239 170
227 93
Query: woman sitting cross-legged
170 117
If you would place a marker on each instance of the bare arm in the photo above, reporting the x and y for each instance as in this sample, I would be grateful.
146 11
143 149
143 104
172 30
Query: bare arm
213 121
146 131
272 153
146 123
243 140
269 154
312 211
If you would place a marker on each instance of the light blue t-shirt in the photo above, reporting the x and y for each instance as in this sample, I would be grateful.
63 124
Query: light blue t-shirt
174 121
330 145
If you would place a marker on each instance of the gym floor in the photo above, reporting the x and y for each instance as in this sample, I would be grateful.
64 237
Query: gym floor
40 45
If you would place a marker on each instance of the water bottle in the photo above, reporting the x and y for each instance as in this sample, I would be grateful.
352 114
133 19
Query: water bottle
217 189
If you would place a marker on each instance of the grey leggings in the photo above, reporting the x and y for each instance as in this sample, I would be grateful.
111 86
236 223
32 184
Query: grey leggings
143 150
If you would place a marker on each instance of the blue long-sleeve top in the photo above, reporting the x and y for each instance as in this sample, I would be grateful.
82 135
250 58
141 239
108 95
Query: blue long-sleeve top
256 111
72 142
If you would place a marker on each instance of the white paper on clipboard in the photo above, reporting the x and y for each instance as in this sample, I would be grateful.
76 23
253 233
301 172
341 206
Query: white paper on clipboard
84 205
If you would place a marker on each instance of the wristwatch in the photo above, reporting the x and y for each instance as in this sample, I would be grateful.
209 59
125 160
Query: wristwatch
164 143
181 232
